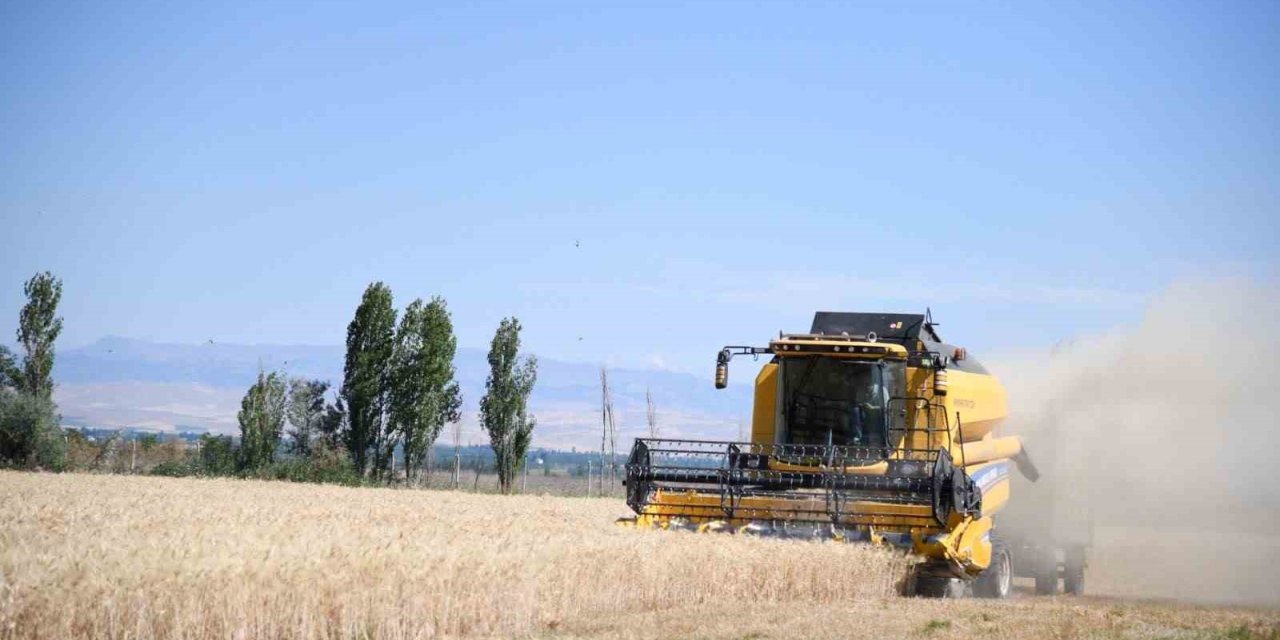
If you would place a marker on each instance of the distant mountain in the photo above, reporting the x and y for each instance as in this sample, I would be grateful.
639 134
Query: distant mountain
115 359
122 382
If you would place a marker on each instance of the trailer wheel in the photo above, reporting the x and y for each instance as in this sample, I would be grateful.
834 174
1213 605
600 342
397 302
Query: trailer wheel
1073 580
1047 573
997 580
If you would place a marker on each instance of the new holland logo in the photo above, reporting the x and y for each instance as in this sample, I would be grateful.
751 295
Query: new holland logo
988 476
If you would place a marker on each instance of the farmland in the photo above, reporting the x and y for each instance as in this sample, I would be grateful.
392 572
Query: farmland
139 557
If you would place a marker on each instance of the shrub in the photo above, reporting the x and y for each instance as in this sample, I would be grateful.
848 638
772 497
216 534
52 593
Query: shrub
326 464
217 455
173 469
29 432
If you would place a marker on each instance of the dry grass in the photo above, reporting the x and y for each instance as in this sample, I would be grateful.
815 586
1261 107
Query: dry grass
1021 618
135 557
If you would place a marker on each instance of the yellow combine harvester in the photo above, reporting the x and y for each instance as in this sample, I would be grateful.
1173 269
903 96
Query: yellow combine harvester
867 428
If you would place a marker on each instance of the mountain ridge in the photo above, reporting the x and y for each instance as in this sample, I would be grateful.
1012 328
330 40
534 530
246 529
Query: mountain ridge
118 381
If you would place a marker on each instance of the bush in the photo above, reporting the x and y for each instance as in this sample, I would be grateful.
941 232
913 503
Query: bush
326 464
306 470
29 432
173 469
217 455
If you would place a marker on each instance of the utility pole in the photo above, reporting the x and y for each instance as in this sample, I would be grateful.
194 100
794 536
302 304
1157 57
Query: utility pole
604 414
651 413
133 459
524 480
588 478
608 429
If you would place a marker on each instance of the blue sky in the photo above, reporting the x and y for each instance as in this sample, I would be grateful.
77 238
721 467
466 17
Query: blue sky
638 185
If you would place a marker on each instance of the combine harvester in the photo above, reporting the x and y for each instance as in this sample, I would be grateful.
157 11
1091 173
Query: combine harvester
866 429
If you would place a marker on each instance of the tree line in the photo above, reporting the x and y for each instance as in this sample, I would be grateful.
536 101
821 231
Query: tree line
398 392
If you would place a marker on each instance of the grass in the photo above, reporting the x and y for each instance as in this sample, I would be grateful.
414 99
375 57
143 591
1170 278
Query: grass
936 625
92 556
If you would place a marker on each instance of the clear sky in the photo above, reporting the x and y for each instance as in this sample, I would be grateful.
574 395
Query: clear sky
638 186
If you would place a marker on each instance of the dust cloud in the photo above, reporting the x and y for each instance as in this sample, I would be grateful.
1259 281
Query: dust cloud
1160 442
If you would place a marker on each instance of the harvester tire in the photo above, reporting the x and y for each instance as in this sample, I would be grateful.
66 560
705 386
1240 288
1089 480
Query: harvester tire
939 587
1073 575
997 580
1047 574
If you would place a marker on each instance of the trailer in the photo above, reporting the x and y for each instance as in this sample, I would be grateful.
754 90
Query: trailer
1049 529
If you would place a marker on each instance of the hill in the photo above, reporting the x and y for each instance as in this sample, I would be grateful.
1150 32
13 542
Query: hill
122 382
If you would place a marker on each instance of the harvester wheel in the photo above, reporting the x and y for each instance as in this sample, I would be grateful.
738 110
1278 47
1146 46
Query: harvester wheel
1047 574
997 580
939 587
1073 578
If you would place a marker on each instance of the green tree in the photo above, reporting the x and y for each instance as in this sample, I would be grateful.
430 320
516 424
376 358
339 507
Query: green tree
29 431
148 441
30 434
365 382
38 328
504 411
217 455
334 426
262 414
424 394
10 374
306 413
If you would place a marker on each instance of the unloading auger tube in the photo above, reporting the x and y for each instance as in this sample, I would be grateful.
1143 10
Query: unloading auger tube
868 428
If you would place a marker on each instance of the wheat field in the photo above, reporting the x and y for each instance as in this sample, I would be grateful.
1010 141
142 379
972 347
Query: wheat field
99 556
140 557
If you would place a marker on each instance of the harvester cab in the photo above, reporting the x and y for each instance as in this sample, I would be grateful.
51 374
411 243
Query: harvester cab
866 428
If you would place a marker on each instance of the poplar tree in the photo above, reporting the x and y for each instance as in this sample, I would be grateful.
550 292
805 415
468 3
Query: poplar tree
9 372
504 410
262 417
366 380
306 413
334 425
29 424
38 328
424 394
